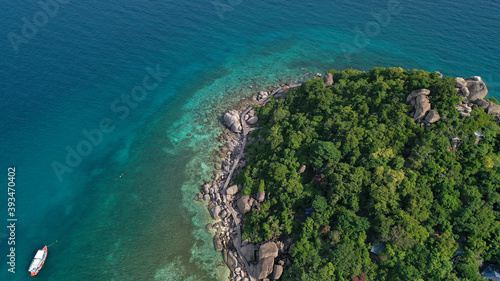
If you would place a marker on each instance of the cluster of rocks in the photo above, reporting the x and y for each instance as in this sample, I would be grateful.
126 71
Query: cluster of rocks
267 259
474 91
262 95
227 205
263 259
232 119
220 202
423 113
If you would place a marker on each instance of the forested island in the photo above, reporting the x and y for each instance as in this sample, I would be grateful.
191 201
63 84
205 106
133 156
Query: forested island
389 174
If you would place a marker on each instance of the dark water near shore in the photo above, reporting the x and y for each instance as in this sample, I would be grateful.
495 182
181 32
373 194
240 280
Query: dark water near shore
125 212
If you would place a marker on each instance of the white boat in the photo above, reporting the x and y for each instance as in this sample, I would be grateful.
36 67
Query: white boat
38 261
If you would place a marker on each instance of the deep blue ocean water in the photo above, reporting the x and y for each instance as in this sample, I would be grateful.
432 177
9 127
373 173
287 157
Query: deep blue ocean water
125 210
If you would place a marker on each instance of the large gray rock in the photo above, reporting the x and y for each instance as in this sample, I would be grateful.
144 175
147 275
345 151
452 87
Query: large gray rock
328 79
494 109
244 205
232 121
482 103
263 268
230 260
216 212
417 93
267 250
261 196
460 82
233 189
422 106
248 251
252 120
277 272
478 90
432 116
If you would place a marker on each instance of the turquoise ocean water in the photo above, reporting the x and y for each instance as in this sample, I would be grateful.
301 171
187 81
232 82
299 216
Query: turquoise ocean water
125 210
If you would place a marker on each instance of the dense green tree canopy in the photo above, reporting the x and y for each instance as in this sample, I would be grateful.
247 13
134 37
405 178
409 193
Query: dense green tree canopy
374 174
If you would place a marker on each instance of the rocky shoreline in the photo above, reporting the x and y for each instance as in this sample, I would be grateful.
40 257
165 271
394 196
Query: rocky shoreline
226 205
266 261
